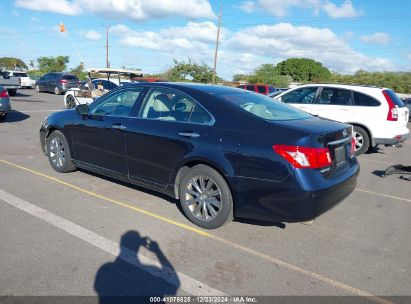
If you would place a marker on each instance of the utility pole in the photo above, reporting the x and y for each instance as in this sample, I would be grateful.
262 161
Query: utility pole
107 62
216 45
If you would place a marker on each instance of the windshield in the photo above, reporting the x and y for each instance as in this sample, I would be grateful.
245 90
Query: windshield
263 106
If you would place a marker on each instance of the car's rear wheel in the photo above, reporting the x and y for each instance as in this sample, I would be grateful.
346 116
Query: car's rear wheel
70 102
205 197
3 117
362 140
58 152
57 91
12 92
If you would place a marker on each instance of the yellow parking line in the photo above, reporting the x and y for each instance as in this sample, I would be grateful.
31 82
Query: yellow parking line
384 195
250 251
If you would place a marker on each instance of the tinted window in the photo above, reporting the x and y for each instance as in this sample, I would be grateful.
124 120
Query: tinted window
250 88
199 115
70 77
334 96
271 89
395 99
263 106
303 95
261 89
20 75
365 100
119 104
107 85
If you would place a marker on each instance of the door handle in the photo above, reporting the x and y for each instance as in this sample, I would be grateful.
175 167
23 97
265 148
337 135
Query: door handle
118 127
189 134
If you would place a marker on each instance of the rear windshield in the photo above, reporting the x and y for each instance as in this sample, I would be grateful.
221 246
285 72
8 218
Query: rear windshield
395 99
69 77
264 107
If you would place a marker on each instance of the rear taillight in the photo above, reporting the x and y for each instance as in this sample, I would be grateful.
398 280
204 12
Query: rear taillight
392 109
304 157
4 93
63 81
353 149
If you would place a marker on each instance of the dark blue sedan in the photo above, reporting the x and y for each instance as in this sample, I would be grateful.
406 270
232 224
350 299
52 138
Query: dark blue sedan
223 152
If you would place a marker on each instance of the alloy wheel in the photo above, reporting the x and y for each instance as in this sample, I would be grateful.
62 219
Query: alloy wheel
203 198
359 140
71 103
57 152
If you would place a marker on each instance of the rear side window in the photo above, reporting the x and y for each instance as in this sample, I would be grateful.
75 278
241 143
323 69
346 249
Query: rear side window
334 96
20 75
303 95
249 88
263 106
395 99
365 100
199 115
261 89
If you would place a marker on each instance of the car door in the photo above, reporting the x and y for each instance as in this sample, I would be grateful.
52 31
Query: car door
43 82
50 82
171 125
99 139
333 103
301 98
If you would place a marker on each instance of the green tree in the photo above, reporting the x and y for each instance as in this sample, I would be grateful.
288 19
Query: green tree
11 63
189 71
303 70
52 64
79 71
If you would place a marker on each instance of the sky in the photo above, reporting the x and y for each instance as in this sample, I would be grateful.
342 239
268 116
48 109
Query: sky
344 35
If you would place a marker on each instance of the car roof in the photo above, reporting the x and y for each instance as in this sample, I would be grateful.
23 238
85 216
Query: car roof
205 88
343 86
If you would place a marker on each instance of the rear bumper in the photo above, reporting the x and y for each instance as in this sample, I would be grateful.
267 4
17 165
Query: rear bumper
392 141
285 202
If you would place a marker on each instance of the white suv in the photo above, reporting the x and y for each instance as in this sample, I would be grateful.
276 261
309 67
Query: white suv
377 114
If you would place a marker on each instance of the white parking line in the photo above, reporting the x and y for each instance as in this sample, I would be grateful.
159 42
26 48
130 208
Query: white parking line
186 283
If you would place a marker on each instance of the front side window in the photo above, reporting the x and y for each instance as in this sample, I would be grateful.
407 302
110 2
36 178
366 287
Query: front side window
249 88
164 104
261 89
120 104
300 96
263 106
334 96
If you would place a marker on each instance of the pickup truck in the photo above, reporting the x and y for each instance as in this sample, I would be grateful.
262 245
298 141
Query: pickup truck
10 83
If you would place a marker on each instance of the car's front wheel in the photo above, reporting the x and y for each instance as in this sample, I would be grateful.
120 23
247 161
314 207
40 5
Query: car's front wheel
58 152
362 140
205 197
37 87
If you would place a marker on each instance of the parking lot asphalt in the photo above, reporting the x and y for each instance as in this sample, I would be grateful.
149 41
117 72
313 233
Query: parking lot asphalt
61 234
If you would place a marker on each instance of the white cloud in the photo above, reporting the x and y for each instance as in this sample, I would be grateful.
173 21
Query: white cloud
91 35
247 6
376 38
137 10
284 40
280 8
64 7
346 10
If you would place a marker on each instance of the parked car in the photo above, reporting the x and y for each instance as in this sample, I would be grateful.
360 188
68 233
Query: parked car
377 114
221 151
5 106
11 83
407 102
259 88
25 80
56 82
95 88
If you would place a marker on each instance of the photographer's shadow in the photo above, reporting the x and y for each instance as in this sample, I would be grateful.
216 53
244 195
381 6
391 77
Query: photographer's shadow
127 277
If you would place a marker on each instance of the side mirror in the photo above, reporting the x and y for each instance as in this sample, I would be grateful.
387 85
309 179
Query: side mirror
82 109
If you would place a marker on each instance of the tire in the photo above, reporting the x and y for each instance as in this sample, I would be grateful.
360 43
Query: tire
212 202
3 117
70 102
37 87
12 92
362 140
57 91
58 153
